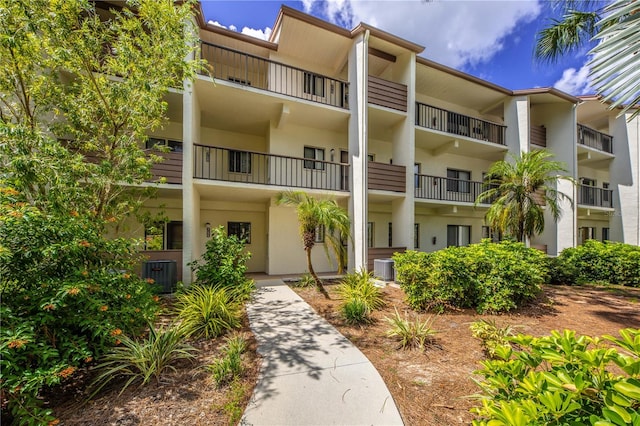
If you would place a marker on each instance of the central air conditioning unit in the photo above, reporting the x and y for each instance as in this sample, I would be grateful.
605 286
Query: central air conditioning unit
383 269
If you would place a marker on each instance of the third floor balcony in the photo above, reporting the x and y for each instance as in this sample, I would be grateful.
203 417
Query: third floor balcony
596 197
595 139
256 72
453 123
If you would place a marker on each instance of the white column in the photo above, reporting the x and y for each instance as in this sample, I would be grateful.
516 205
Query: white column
516 117
358 73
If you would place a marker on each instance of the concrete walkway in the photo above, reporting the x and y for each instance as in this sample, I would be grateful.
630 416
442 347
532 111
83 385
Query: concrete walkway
310 373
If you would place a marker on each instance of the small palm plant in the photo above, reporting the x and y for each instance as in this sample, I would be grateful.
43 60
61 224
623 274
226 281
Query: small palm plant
411 334
207 312
360 297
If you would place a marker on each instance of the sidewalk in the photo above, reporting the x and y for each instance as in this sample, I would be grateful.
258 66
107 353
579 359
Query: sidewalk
310 373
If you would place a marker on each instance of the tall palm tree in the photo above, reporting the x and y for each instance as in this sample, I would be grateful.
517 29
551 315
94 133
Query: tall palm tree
315 214
615 60
521 190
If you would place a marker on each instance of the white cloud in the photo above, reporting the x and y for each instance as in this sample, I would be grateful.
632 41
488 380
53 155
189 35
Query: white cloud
257 33
454 32
575 82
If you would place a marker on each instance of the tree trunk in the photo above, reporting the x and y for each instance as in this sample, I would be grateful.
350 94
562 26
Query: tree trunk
319 285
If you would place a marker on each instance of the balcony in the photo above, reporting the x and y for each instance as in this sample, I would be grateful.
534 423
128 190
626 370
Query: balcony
259 73
386 177
538 136
597 197
595 139
222 164
449 189
170 168
387 94
434 118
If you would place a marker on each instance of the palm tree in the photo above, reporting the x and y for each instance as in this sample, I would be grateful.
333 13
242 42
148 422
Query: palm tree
521 190
314 215
615 62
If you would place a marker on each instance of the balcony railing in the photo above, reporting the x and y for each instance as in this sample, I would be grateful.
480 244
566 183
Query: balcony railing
254 71
595 139
267 169
387 93
449 189
170 168
592 196
386 177
538 135
442 120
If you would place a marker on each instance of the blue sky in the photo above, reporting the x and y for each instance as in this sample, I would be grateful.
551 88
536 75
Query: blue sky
491 39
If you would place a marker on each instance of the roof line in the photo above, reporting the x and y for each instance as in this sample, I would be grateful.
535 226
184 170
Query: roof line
309 19
238 36
457 73
377 32
549 90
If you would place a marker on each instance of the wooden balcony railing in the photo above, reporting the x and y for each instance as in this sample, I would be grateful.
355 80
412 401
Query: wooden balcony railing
170 168
267 169
249 70
538 135
387 93
442 120
449 189
592 196
595 139
386 177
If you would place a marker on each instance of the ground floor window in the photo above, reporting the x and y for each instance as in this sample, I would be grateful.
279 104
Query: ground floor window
319 234
416 235
370 235
390 234
458 235
605 234
587 233
492 234
242 230
163 236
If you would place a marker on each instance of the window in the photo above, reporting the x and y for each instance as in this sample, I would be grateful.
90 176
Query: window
416 170
458 180
163 236
416 235
174 146
370 234
313 84
242 230
371 157
319 238
492 234
605 193
314 154
239 162
458 235
605 234
390 234
587 233
588 190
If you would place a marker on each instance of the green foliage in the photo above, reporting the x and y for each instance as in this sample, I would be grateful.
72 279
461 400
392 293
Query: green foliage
491 336
206 311
411 334
596 262
66 298
359 297
235 401
306 280
487 276
228 367
139 361
521 190
223 265
314 214
562 379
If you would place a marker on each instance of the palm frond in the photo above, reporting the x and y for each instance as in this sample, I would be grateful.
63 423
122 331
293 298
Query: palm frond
566 35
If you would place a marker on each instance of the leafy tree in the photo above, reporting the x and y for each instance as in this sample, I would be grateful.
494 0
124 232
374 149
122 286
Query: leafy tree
314 214
519 189
615 65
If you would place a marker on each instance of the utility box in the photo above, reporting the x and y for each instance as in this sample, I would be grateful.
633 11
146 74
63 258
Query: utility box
384 269
164 274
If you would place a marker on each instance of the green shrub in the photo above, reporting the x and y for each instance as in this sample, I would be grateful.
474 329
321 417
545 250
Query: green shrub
66 298
229 367
596 262
224 265
305 281
359 297
206 311
562 379
487 276
139 361
411 334
491 336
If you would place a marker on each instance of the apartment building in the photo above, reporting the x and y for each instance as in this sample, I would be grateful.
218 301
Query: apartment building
364 117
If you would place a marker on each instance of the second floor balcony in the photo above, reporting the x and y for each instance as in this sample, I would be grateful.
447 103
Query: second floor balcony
596 197
595 139
223 164
449 189
439 119
253 71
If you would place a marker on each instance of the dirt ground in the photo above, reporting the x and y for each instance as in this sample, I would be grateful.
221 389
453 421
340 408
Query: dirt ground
432 387
186 397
